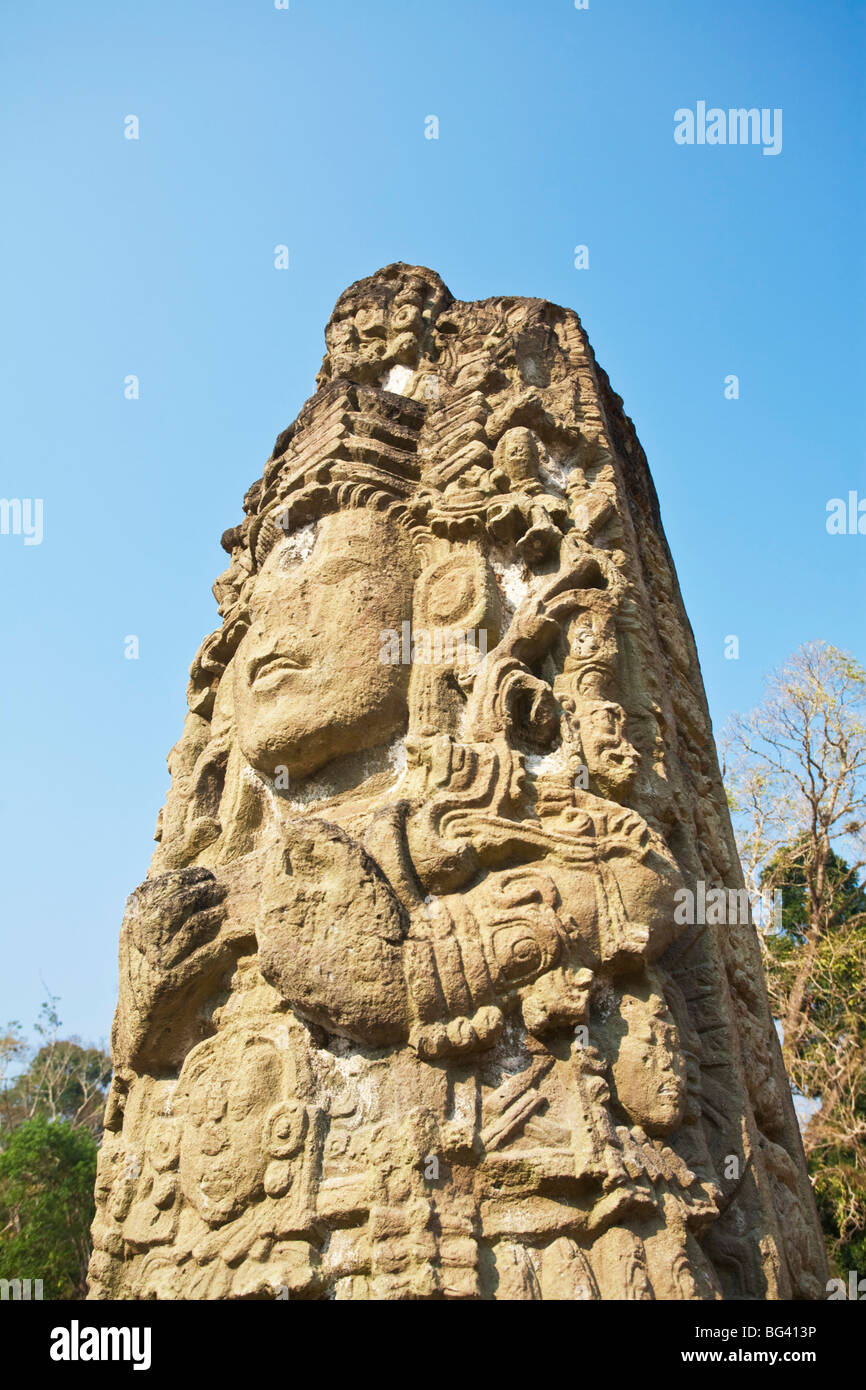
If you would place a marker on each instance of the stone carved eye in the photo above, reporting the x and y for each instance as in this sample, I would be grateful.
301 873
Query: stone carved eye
286 1125
450 596
519 953
407 316
453 593
163 1146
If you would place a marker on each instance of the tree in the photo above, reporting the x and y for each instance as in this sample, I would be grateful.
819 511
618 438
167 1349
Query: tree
47 1176
63 1080
795 769
51 1103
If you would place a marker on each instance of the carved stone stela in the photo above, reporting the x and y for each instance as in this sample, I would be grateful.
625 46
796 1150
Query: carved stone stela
405 1008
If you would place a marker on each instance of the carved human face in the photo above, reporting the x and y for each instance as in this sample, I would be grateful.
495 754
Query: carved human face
517 455
611 760
224 1148
309 685
369 334
648 1065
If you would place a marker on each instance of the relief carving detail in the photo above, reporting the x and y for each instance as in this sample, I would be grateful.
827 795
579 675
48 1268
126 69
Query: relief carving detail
404 1008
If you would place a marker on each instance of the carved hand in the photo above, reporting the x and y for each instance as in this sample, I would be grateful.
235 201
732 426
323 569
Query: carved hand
174 947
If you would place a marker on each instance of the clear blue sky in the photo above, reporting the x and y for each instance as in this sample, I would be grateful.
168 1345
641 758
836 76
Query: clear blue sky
306 127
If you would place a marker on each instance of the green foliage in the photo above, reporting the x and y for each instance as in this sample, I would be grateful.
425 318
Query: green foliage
795 771
827 1064
789 870
47 1176
839 1194
63 1079
51 1103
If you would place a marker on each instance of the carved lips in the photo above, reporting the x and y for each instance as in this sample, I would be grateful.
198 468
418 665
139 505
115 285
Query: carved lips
265 672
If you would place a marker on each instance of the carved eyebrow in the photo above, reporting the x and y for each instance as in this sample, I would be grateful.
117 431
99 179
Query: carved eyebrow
334 565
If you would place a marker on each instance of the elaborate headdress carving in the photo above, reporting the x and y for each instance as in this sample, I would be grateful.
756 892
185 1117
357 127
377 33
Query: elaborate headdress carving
446 768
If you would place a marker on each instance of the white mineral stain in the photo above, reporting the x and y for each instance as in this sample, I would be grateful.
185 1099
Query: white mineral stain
540 763
397 379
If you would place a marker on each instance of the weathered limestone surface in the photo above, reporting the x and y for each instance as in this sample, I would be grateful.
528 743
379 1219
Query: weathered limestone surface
405 1009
